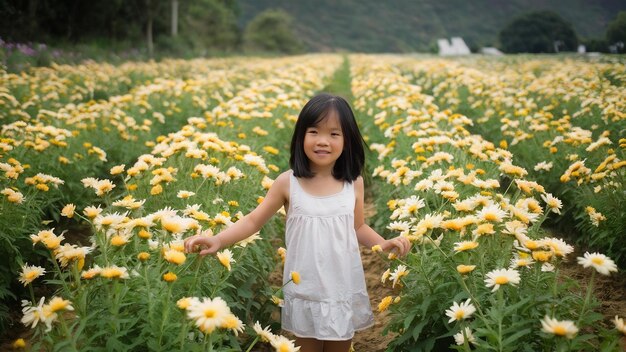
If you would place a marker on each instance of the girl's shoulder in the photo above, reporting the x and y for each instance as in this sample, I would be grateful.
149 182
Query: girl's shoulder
284 175
359 185
282 181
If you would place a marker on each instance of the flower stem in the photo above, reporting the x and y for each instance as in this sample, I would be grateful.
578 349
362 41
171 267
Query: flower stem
587 298
252 344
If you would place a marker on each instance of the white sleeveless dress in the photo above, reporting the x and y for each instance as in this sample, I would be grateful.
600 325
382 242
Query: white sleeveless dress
331 301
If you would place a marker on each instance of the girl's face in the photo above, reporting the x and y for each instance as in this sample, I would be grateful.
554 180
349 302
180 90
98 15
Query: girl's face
323 143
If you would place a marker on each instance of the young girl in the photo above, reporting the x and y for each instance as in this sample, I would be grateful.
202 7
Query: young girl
323 195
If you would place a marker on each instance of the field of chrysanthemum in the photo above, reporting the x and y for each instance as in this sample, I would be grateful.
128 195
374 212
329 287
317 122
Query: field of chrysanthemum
480 162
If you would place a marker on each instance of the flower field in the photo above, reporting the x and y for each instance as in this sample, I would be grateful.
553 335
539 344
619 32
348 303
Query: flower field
479 162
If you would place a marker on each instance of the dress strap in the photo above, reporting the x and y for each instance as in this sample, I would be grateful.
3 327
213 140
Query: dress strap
293 185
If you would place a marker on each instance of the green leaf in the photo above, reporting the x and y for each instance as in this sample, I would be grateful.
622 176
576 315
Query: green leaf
417 330
510 339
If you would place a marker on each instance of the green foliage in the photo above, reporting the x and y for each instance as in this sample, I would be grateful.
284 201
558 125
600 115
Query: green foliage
271 31
538 32
409 26
208 24
616 31
596 45
119 26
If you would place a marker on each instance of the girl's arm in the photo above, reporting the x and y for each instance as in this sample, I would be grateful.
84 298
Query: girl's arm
365 234
275 198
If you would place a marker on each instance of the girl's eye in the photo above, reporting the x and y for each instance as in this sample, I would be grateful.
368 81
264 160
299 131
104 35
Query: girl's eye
312 131
336 134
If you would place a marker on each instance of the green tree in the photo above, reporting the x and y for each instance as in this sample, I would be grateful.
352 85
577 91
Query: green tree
616 31
538 32
210 24
272 31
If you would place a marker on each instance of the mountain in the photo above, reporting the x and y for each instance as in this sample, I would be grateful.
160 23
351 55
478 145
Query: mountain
415 25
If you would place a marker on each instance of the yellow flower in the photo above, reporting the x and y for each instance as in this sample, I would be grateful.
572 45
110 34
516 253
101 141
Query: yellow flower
143 256
18 344
176 224
157 189
13 196
460 311
270 150
30 273
565 328
116 170
264 333
498 277
295 276
397 274
91 212
118 240
185 302
143 233
464 246
51 241
465 269
57 304
208 314
232 323
103 186
484 229
511 169
70 253
384 304
277 301
377 248
226 258
114 272
282 252
170 276
91 273
174 257
531 244
603 264
542 256
184 194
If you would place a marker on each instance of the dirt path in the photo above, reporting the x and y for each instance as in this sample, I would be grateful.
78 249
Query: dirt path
372 339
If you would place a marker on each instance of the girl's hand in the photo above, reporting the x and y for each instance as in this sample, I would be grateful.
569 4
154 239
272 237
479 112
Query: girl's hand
400 245
203 244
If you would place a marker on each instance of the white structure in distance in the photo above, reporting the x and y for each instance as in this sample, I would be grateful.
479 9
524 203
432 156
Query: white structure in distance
491 51
457 46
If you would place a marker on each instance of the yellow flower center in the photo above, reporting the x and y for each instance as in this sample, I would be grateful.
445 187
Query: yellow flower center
172 227
532 245
118 241
597 261
459 314
491 217
501 280
209 313
559 330
59 305
31 275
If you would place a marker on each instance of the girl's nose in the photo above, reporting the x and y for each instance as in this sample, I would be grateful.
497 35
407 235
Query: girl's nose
322 141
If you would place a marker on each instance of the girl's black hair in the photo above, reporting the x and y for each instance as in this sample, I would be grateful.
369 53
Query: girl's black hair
350 163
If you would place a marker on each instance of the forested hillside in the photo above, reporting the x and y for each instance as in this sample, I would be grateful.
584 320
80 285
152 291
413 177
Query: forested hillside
409 25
